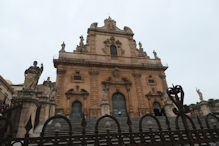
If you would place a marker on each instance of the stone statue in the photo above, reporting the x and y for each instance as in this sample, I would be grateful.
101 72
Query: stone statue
63 47
116 72
155 55
81 41
104 92
93 25
81 48
200 94
140 45
32 75
141 52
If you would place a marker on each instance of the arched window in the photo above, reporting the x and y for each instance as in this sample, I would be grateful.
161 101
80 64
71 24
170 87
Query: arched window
113 50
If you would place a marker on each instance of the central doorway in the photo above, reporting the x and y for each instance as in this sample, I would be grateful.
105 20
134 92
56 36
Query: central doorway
76 110
119 105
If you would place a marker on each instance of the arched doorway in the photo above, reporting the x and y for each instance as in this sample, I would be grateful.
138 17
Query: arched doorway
76 110
119 105
157 109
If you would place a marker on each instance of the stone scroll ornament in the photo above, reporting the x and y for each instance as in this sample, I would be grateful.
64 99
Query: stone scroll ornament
176 94
32 75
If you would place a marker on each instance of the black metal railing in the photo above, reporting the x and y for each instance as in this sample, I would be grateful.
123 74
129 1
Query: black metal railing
188 132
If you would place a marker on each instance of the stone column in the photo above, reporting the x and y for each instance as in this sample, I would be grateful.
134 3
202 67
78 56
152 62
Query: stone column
29 107
105 109
94 93
139 94
60 91
130 103
44 112
52 109
168 107
205 108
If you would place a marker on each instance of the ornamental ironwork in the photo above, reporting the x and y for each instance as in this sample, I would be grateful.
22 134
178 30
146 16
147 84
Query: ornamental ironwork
188 133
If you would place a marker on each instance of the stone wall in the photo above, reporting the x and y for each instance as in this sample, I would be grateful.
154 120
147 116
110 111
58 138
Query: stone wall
91 68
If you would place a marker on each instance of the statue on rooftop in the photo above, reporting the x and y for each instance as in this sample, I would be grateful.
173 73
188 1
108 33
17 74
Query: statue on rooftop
141 52
155 55
140 47
32 75
81 48
63 47
200 94
81 41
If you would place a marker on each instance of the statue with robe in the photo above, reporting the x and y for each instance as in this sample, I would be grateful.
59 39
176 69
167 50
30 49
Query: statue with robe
200 94
32 75
155 55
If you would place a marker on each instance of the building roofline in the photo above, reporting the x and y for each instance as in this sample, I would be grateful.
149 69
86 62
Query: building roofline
6 84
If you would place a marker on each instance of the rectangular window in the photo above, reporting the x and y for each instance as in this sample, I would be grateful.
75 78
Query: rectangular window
77 77
151 81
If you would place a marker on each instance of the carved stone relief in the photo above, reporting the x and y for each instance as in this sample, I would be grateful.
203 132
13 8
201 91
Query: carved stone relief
110 42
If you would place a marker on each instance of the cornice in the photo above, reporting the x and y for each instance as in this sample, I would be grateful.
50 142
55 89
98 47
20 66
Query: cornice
109 32
83 62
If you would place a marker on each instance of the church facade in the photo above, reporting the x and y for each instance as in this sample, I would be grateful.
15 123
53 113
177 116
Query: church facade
109 75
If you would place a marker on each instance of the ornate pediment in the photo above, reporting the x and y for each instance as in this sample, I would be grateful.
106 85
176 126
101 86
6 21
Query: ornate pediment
112 81
110 26
153 94
76 92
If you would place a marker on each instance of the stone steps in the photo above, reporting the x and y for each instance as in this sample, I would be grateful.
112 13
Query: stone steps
90 127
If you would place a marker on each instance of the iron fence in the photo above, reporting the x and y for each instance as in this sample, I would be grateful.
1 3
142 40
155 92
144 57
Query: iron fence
189 134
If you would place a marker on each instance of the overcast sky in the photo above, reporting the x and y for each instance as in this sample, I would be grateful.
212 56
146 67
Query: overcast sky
185 34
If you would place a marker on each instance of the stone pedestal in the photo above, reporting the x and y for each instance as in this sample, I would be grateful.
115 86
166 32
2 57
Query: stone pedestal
47 109
204 108
168 107
105 103
29 107
105 108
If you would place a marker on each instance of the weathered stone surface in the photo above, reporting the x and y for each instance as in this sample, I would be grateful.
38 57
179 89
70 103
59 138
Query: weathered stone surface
127 71
32 75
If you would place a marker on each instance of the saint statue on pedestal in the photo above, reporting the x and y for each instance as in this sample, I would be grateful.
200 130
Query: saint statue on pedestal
200 94
32 75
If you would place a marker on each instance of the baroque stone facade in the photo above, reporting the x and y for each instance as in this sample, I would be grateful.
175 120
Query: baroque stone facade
109 74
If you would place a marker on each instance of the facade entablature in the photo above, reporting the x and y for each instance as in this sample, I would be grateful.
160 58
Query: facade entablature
94 63
106 58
